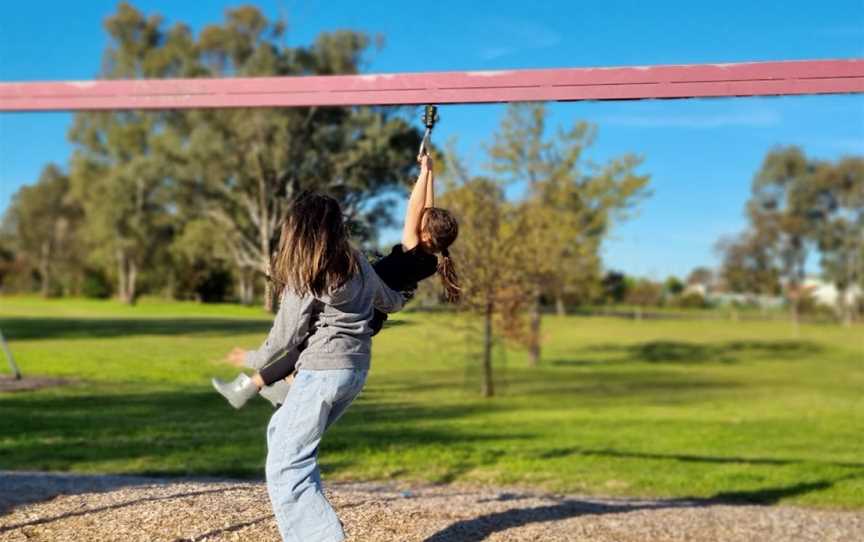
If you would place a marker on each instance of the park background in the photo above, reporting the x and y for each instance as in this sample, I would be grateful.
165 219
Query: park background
675 285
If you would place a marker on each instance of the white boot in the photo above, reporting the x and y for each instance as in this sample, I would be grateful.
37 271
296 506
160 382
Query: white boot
238 391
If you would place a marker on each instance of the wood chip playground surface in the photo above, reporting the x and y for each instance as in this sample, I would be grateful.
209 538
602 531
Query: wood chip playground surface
38 506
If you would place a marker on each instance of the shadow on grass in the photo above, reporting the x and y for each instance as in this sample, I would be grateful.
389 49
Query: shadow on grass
567 452
187 432
27 328
681 352
480 528
193 433
85 328
644 386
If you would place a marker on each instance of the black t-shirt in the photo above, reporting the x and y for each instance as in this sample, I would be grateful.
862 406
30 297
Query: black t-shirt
402 270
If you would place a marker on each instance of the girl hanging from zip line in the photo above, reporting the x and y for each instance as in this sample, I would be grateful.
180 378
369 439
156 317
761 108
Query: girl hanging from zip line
427 235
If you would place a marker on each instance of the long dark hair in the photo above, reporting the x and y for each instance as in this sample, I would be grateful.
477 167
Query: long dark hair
443 229
315 255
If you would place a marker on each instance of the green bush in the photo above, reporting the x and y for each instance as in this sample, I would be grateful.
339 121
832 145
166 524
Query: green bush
214 286
95 285
691 300
808 306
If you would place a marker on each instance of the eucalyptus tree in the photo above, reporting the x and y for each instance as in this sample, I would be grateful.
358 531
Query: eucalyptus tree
118 169
841 235
748 264
787 209
40 226
144 177
246 164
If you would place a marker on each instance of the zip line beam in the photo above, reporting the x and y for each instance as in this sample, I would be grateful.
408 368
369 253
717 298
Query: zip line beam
798 77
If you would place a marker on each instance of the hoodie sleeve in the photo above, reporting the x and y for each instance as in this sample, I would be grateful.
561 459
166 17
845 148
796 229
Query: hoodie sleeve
384 298
290 328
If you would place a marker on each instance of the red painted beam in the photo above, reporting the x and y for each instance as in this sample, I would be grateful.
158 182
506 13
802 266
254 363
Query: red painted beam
570 84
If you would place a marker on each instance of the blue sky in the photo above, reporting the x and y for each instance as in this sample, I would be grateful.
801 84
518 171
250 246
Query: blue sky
701 153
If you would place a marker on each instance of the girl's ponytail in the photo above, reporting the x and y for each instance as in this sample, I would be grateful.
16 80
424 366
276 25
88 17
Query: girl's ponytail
449 277
443 229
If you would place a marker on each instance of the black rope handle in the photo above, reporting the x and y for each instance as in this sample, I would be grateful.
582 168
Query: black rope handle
430 117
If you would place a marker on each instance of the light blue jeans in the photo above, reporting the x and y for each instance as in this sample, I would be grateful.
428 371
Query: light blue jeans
315 401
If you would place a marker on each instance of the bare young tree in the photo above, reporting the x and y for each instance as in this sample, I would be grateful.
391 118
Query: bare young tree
568 206
492 281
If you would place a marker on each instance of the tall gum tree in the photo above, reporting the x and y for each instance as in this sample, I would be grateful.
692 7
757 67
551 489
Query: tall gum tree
841 236
42 222
247 164
787 209
117 171
144 177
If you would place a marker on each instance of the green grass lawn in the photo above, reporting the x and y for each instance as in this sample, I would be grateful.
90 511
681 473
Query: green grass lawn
705 409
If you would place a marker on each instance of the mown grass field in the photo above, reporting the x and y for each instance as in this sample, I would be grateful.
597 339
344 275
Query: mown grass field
705 409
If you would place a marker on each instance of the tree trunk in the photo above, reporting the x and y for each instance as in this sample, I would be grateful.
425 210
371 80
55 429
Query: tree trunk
132 283
798 288
121 275
127 278
845 307
131 265
271 304
486 386
265 233
534 333
794 311
44 269
850 300
246 287
560 308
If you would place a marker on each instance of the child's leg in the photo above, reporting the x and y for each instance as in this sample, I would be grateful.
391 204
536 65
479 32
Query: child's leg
243 388
277 377
279 369
237 391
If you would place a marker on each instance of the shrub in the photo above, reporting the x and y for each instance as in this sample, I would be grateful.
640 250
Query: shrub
691 300
214 286
95 285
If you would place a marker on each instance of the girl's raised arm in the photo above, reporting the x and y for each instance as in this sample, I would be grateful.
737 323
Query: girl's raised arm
430 187
416 204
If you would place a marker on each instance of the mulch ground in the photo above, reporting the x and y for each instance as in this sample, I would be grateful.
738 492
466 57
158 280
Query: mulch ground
58 507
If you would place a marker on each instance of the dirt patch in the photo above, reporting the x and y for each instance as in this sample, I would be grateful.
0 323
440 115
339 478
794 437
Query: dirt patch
29 383
48 507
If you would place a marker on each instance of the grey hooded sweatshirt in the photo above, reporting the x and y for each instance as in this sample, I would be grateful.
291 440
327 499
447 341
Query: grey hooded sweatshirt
336 326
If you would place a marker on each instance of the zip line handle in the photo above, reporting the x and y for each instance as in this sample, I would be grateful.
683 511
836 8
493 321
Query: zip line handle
430 117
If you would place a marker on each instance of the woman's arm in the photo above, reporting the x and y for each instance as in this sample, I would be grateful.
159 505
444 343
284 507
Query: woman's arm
416 204
384 298
290 327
